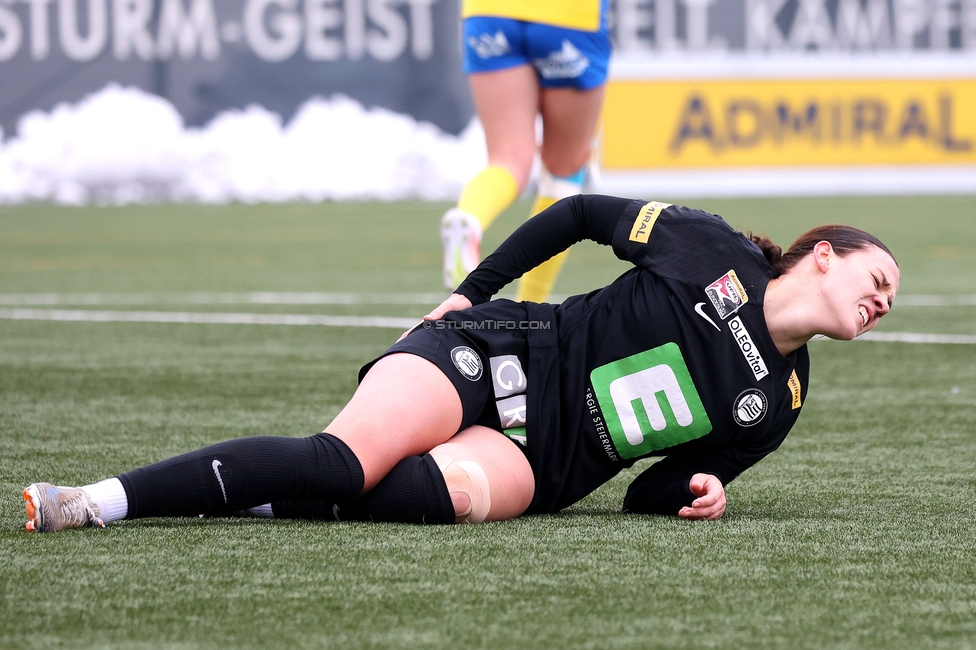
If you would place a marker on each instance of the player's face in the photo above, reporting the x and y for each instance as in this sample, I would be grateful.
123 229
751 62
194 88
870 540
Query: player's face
860 290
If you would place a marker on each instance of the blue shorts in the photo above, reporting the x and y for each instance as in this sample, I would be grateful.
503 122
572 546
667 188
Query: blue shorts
562 58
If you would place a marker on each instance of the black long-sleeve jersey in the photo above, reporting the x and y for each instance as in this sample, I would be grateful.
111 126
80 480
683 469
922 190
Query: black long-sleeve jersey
672 359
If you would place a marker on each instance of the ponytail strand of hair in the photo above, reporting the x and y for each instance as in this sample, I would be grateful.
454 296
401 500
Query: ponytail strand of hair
772 252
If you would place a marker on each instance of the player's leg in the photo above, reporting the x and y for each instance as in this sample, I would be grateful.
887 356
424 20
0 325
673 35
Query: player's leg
572 66
404 406
569 123
413 492
487 475
217 479
507 103
478 475
570 119
506 98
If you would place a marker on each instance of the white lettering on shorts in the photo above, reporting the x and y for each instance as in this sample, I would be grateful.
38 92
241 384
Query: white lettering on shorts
511 411
487 46
568 63
507 375
510 384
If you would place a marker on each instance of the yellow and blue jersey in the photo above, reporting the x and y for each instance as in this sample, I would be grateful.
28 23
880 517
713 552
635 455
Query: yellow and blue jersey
584 15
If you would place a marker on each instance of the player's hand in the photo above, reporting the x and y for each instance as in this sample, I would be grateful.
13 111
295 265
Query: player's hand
709 500
454 302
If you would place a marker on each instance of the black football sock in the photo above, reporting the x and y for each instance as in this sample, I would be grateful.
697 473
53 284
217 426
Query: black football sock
243 473
414 492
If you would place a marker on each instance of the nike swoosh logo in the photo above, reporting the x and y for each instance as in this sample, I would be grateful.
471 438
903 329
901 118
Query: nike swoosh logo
701 312
216 464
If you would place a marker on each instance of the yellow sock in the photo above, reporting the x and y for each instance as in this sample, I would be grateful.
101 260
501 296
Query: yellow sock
488 193
535 285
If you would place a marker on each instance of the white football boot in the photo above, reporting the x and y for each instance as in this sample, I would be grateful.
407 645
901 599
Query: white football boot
52 508
461 236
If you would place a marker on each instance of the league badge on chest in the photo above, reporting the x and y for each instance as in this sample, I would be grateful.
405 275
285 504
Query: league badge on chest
727 294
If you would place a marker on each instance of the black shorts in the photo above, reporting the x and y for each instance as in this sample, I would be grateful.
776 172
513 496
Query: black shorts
483 351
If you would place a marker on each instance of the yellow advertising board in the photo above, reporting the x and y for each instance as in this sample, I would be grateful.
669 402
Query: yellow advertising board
770 123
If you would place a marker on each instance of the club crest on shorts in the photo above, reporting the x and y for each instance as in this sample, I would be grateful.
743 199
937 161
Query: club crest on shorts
467 362
750 407
727 294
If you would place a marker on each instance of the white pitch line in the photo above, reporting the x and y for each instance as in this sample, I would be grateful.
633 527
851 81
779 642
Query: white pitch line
935 301
916 337
223 318
204 317
325 298
207 298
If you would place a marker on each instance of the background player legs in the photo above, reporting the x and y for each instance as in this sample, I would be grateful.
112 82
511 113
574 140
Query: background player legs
569 119
507 102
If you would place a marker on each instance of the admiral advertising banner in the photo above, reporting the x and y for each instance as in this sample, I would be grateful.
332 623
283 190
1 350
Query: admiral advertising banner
772 122
790 96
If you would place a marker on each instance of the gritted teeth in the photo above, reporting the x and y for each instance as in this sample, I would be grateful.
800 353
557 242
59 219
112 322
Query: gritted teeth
864 315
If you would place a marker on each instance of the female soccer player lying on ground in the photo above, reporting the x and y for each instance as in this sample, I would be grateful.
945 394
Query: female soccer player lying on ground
485 413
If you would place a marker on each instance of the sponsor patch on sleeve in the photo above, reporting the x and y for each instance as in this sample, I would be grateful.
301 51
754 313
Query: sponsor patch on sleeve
793 383
727 294
645 221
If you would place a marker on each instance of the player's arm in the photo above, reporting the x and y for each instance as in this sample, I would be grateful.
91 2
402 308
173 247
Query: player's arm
549 233
689 485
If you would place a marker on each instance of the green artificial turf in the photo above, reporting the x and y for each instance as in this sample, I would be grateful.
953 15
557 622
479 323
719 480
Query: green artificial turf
858 533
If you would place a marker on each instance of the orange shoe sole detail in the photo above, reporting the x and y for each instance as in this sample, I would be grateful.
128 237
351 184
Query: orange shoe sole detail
31 513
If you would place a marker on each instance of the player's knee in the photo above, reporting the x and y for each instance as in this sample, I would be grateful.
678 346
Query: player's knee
468 486
520 167
566 165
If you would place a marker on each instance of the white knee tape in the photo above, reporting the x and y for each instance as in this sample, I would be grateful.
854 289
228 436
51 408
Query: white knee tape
466 476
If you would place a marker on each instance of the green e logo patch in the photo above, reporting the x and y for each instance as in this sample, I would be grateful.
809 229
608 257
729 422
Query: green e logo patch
649 401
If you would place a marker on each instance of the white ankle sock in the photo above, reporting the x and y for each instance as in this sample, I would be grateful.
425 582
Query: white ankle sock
260 511
109 496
